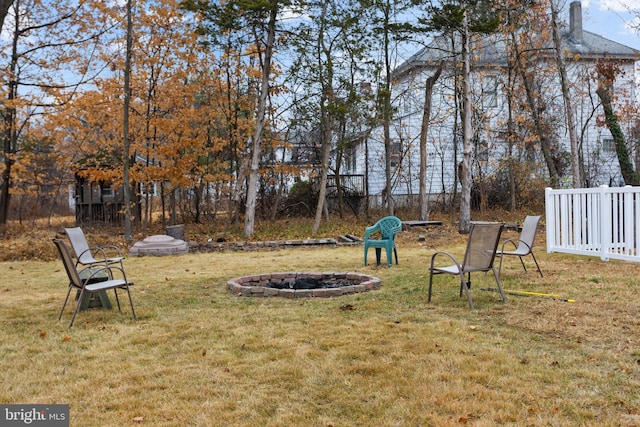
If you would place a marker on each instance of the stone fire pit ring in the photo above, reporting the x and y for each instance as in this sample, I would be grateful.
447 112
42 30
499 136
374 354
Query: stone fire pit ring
287 285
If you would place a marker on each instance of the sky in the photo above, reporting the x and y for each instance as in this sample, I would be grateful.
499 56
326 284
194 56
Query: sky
612 19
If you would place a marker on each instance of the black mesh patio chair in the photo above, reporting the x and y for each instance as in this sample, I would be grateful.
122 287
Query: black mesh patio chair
95 279
478 257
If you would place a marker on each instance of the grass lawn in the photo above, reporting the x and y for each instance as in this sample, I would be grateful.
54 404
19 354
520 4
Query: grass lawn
199 355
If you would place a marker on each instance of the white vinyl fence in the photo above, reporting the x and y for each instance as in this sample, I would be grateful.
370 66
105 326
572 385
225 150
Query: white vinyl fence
602 222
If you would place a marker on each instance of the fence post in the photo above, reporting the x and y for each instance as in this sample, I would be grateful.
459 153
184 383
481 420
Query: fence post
550 219
605 222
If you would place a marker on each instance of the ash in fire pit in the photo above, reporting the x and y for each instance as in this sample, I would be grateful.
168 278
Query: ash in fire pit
301 285
311 283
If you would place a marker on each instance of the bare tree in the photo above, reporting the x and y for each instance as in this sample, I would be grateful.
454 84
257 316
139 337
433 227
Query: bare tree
424 131
465 18
125 123
607 72
566 96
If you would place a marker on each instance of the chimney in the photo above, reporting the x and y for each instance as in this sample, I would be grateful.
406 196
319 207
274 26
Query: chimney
575 22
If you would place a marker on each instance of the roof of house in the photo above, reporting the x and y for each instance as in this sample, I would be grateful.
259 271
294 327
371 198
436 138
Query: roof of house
492 48
595 44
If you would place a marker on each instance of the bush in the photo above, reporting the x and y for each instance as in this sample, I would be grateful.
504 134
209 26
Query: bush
301 200
529 188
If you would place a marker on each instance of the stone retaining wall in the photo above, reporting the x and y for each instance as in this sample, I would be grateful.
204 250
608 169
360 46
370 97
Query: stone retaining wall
264 245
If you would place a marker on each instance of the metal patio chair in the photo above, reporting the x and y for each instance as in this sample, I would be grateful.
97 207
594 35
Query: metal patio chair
523 245
87 256
479 256
98 279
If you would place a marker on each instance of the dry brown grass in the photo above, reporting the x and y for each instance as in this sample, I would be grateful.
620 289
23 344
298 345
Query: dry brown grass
201 356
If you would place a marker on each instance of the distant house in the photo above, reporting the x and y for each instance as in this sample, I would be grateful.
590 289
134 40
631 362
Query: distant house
489 78
103 201
97 202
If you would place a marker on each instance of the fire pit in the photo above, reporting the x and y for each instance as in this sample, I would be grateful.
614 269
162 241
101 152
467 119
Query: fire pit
302 285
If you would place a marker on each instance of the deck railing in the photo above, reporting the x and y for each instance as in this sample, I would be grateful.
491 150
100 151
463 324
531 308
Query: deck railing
602 222
352 184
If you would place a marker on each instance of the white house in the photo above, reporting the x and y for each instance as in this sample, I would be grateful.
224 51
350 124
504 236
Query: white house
490 79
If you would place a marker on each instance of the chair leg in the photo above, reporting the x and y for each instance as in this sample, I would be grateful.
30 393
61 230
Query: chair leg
464 285
64 304
468 282
115 291
522 262
430 284
75 312
131 302
537 265
497 276
378 255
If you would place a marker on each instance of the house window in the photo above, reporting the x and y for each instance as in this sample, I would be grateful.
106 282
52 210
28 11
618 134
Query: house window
608 145
482 154
408 105
490 92
349 160
410 101
396 154
148 190
106 191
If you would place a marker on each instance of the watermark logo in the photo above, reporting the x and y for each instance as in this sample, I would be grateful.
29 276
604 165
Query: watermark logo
34 415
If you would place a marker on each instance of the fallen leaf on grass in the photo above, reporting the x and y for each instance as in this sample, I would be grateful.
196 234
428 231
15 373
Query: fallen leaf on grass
347 307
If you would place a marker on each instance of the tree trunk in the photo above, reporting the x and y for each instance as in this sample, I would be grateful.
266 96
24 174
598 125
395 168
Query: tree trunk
566 95
387 113
626 166
9 136
326 151
241 179
4 10
173 207
338 178
537 119
326 120
467 143
252 186
125 125
426 115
